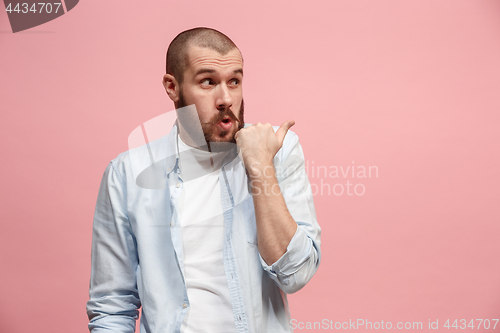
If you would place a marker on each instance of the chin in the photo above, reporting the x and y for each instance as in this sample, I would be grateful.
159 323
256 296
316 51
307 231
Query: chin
225 138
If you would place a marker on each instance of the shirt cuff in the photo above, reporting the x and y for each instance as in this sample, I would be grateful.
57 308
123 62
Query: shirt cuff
297 252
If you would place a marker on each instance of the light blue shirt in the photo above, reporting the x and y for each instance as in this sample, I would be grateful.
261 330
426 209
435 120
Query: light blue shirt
137 247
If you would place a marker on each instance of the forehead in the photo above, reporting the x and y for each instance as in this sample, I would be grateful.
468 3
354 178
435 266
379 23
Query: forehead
201 57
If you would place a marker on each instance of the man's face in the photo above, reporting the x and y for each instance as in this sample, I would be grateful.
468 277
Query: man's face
213 82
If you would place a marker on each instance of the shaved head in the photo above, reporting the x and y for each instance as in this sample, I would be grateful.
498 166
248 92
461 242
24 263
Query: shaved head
177 53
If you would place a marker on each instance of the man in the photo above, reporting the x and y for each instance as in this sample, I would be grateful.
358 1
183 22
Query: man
232 231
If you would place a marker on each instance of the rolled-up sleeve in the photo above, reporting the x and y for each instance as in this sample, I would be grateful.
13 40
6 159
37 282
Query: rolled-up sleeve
298 264
114 300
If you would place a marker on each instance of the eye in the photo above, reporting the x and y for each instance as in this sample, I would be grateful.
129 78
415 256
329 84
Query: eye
234 82
206 82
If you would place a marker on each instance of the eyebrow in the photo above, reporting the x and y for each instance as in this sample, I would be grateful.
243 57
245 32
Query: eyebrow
211 71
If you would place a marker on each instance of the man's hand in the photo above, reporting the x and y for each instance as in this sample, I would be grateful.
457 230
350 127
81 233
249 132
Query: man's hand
258 145
275 226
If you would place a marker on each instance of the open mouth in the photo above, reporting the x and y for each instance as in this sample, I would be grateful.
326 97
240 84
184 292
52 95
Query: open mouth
226 123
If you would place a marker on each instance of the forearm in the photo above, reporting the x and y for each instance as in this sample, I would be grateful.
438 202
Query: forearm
275 225
288 234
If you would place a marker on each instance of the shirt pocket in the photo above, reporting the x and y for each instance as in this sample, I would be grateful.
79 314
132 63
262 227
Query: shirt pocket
249 220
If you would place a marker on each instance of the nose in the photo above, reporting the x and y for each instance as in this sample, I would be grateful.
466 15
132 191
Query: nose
224 99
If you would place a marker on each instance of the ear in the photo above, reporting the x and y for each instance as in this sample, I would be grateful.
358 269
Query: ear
171 87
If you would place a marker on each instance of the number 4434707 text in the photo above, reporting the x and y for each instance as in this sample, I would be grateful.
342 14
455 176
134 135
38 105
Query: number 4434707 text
462 324
43 7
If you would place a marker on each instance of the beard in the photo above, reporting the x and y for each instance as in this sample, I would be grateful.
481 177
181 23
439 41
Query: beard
210 130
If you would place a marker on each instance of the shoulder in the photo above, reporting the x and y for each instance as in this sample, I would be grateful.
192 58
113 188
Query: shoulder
137 159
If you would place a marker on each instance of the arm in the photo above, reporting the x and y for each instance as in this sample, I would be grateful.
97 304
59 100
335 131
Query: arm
275 225
114 299
287 230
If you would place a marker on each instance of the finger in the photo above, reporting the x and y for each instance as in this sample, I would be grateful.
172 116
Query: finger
281 132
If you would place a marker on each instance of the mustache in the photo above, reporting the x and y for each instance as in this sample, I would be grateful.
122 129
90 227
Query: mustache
221 115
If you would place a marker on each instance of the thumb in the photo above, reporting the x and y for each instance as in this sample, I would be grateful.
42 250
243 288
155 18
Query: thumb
281 132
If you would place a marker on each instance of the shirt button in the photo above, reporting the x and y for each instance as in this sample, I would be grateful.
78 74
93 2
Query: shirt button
178 185
184 305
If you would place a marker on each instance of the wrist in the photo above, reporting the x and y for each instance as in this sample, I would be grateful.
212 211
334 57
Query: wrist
261 171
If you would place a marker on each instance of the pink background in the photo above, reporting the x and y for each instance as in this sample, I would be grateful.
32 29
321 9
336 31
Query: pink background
411 87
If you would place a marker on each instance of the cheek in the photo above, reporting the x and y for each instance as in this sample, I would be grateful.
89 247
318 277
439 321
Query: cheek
202 105
237 110
204 118
205 112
